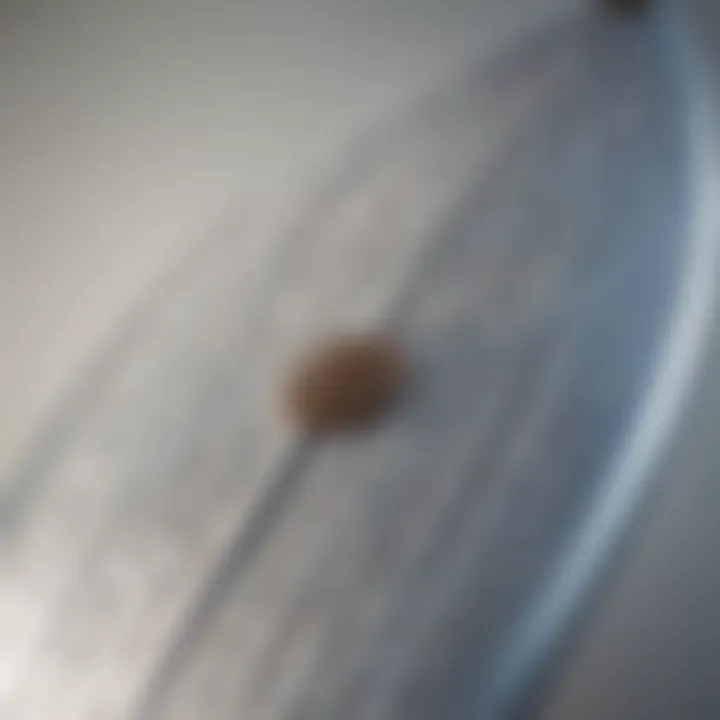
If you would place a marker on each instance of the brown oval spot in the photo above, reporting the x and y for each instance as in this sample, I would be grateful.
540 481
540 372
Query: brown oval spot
344 383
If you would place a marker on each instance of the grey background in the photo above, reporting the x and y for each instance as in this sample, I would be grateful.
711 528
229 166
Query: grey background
127 128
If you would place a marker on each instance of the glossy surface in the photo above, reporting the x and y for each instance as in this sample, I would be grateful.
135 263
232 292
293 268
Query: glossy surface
161 495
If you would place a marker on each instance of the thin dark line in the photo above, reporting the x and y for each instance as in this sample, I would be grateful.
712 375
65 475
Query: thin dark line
455 224
285 485
230 567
